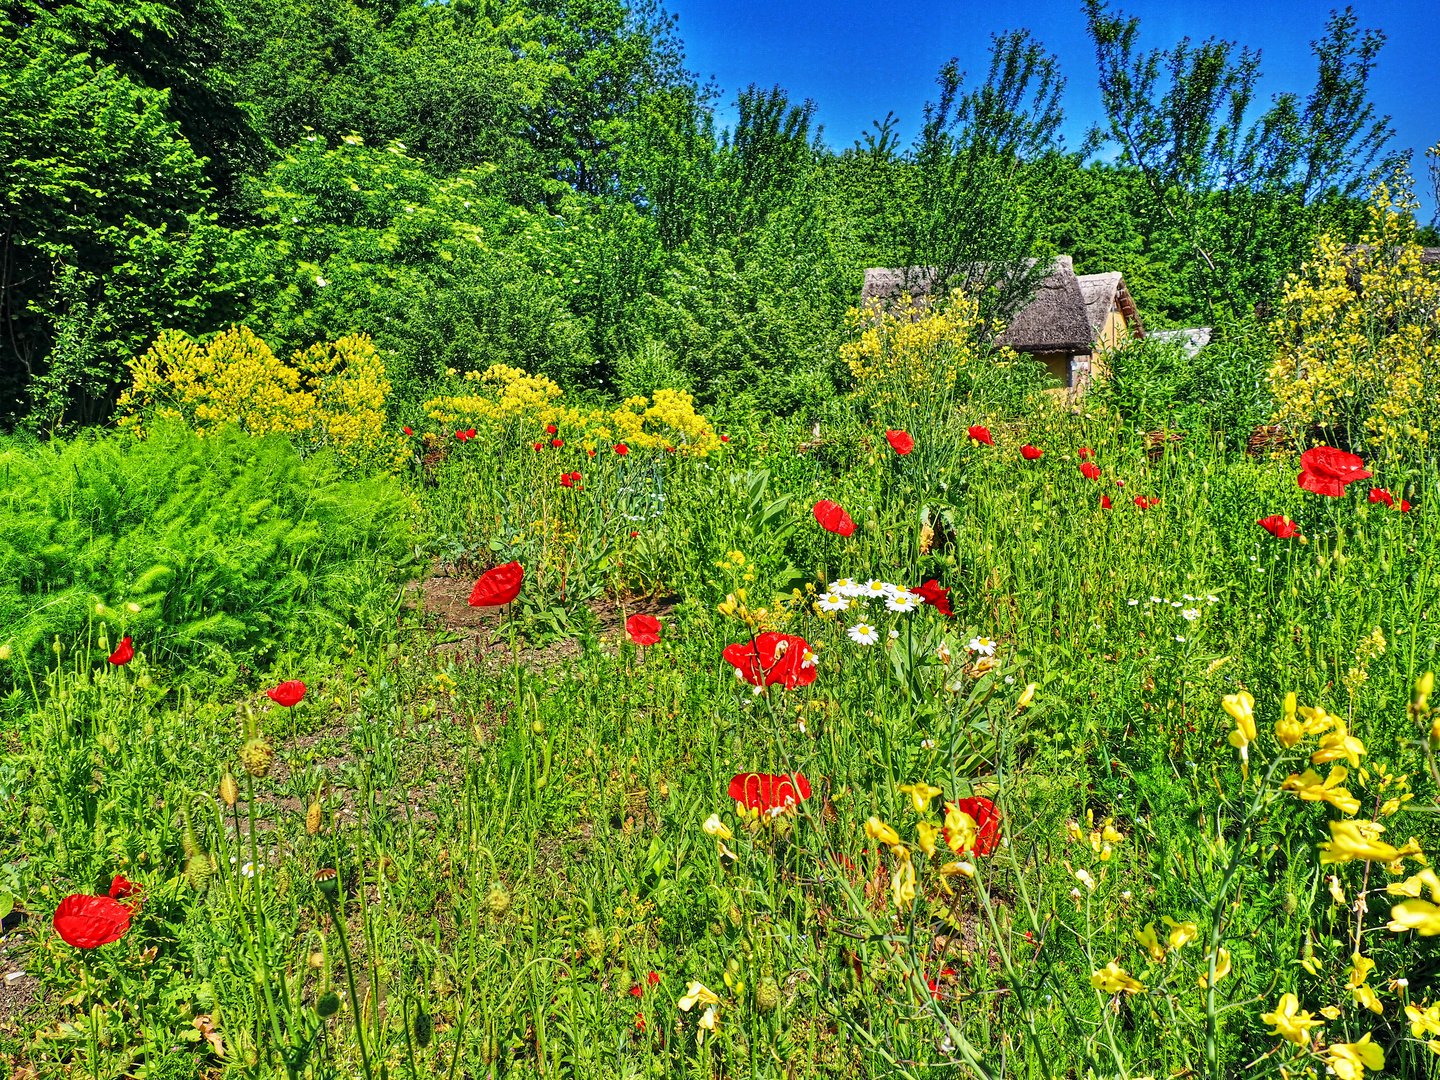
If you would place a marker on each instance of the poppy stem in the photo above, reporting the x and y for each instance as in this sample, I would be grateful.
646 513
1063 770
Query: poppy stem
338 922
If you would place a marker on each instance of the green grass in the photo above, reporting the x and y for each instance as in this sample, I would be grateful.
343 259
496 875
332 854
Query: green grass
519 845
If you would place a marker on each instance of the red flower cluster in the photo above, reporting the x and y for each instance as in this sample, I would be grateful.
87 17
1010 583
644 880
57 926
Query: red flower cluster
569 479
900 441
1031 453
1379 495
1086 453
288 694
1279 526
767 792
773 658
1325 470
643 629
551 429
987 821
833 518
498 586
124 652
1145 504
1090 470
936 595
465 435
557 443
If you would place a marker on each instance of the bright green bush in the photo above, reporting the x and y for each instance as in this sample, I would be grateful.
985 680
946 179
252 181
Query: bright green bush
211 553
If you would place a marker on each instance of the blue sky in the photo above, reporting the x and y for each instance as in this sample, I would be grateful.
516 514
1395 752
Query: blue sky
860 60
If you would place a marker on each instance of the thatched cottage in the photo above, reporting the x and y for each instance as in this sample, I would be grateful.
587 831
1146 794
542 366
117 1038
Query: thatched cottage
1068 325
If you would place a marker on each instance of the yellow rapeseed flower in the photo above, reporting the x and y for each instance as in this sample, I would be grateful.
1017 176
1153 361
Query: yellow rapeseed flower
927 833
1360 968
1424 1020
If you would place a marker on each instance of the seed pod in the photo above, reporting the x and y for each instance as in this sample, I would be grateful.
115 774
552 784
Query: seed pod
497 901
229 790
424 1026
256 756
189 842
767 994
328 882
327 1004
312 819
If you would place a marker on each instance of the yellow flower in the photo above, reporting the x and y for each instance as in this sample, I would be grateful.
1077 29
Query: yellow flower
1222 968
1316 719
1311 788
1360 968
1027 696
1419 915
1113 979
902 879
920 794
1181 933
1424 1020
958 869
1337 893
961 830
709 1022
1338 744
697 994
1151 942
715 827
1350 840
876 829
927 834
1289 1022
1348 1061
1288 730
1411 886
1241 708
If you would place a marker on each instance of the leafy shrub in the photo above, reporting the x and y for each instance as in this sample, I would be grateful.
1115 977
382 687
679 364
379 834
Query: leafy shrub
502 394
330 394
212 553
1359 343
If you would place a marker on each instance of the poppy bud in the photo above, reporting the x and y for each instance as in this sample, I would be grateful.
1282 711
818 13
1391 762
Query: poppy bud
229 790
595 943
424 1026
489 1050
312 819
256 756
198 870
623 983
497 901
327 1005
767 994
328 881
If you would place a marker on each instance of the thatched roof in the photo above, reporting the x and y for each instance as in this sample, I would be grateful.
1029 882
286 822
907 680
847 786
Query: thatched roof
1103 293
1053 321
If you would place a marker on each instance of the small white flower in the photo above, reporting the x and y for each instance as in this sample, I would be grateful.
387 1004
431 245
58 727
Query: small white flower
1132 603
981 645
927 744
1176 604
1190 614
320 281
809 659
1180 638
832 601
1156 600
943 653
877 588
1192 599
862 633
847 587
1212 599
1009 680
1083 876
894 635
903 601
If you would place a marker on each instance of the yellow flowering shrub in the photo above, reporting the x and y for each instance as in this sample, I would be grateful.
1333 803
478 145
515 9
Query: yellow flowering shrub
909 353
331 394
502 394
1358 341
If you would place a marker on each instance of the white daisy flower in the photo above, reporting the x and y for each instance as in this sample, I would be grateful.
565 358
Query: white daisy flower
832 601
927 744
982 645
903 601
846 587
1212 599
1190 614
1180 638
862 633
809 659
1132 603
894 635
1156 600
1176 604
1187 596
877 589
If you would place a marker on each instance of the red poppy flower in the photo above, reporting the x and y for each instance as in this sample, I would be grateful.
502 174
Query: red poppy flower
288 694
987 820
643 629
465 435
1090 470
636 990
900 441
124 652
980 434
934 984
773 658
1030 453
539 446
766 792
936 595
498 586
640 1022
1379 495
1404 506
591 452
633 534
551 429
87 922
833 518
653 978
1278 525
724 438
1145 504
121 887
1120 483
568 479
1086 453
1105 502
621 449
1326 470
407 431
557 443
